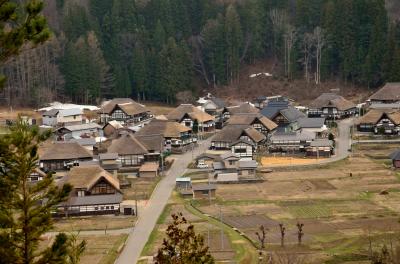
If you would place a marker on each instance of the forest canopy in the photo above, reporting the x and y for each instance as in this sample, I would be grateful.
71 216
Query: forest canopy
153 49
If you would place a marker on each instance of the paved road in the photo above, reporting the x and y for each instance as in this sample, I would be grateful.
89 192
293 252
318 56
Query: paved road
375 141
149 215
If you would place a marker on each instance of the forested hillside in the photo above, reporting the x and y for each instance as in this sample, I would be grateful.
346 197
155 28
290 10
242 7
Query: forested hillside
154 49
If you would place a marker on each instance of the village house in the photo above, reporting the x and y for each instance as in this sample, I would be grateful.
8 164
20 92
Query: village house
61 117
36 175
183 183
89 130
316 125
125 111
188 115
206 160
87 143
109 162
388 94
291 142
230 134
380 122
95 192
245 108
149 170
112 128
395 157
63 155
232 169
244 148
177 137
204 191
320 148
211 105
257 121
331 106
281 113
130 151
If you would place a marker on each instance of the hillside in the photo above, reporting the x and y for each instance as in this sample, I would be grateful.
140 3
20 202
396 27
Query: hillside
155 50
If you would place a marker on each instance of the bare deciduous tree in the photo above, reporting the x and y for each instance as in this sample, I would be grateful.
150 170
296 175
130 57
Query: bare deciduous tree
300 232
319 42
283 233
262 237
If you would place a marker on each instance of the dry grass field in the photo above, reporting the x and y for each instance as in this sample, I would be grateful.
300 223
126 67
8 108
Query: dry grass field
100 249
98 222
284 161
342 206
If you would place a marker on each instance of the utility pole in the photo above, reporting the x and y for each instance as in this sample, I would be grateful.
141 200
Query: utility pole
222 232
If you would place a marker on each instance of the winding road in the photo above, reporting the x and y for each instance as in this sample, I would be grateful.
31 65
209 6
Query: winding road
148 217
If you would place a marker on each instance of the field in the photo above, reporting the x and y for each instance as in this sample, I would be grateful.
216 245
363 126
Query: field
343 206
224 243
105 222
100 249
287 161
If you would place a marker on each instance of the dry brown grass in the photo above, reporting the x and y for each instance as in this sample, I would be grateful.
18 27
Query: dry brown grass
94 223
159 108
284 161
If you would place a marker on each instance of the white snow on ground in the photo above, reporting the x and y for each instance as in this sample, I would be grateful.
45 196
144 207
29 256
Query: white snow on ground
59 106
267 74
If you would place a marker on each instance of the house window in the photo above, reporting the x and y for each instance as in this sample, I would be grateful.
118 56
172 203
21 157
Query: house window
112 207
231 162
96 208
205 191
101 208
107 207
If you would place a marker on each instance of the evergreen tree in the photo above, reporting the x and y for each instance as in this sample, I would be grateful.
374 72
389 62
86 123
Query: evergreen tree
233 39
25 208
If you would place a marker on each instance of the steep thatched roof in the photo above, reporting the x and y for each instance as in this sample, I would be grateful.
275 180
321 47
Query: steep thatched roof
332 100
389 92
193 112
85 177
248 119
127 144
169 129
373 116
65 151
127 105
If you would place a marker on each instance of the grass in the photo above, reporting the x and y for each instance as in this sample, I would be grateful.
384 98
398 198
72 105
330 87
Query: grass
310 211
94 223
245 251
113 253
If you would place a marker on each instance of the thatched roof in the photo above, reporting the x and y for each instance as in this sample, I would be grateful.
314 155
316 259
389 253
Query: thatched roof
153 143
193 112
169 129
389 92
85 177
65 151
373 116
245 108
248 119
232 133
127 105
332 100
127 145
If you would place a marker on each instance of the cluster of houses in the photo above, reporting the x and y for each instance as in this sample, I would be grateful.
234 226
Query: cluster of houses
91 146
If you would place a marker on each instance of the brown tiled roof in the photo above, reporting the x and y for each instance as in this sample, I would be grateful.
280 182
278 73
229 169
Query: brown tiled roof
196 114
169 129
65 151
127 144
85 177
373 116
331 99
126 104
389 92
242 109
248 119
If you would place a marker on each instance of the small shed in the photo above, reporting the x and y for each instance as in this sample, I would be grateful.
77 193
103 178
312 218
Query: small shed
320 148
109 161
230 177
395 157
204 191
183 183
148 170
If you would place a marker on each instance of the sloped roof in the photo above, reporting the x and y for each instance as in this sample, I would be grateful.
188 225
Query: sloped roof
133 108
230 133
248 119
374 115
389 92
332 100
52 112
169 129
85 177
254 134
209 156
228 155
65 151
218 102
292 114
149 167
245 108
127 145
115 124
82 127
395 155
204 187
321 142
70 112
307 122
196 114
273 108
108 156
295 136
250 164
84 141
153 143
243 141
